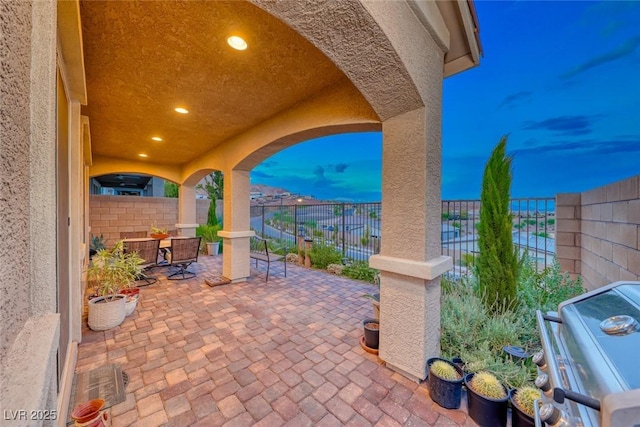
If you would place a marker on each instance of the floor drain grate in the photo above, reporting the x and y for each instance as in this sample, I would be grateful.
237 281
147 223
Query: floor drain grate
107 382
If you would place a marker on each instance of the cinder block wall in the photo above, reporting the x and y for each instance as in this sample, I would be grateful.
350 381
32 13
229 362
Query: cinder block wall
109 215
606 247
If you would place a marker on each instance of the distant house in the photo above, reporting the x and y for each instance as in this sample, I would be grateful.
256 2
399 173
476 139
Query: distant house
254 195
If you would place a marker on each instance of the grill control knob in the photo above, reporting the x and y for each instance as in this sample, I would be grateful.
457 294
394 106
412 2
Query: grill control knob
538 358
542 382
552 416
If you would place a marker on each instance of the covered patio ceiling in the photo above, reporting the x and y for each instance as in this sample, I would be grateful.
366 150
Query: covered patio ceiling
144 59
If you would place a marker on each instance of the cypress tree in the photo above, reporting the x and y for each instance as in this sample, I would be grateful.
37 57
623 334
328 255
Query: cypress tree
498 262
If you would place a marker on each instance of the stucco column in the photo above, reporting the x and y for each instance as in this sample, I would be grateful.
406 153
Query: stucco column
187 211
410 261
237 230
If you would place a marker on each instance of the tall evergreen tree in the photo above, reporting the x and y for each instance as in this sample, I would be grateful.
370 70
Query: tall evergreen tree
214 186
498 262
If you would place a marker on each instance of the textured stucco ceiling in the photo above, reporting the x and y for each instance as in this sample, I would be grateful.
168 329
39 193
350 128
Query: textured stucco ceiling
143 59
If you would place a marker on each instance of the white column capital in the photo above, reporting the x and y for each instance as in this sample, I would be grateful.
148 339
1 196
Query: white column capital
427 270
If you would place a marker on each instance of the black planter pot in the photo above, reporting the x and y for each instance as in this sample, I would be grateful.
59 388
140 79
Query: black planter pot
519 418
371 335
446 393
486 412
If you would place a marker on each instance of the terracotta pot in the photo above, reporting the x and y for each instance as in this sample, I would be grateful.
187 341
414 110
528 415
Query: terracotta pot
88 413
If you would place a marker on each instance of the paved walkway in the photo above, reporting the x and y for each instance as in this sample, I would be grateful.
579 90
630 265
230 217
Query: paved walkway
284 352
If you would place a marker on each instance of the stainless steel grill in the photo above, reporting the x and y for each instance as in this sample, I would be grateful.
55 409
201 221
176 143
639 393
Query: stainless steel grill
589 366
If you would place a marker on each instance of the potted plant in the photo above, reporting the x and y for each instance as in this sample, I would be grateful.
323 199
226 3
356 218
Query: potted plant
111 271
209 234
159 233
96 243
375 297
522 409
444 382
487 399
371 333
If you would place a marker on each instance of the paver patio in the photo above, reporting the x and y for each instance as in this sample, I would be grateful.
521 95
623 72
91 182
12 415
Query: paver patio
284 352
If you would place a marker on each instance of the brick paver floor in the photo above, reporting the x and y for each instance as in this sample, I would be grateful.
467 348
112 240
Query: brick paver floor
284 352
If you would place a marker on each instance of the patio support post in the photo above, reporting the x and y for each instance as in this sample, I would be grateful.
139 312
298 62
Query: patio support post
410 260
237 231
187 211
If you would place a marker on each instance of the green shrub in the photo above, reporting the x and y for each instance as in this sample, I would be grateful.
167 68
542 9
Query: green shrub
360 270
477 335
323 255
209 233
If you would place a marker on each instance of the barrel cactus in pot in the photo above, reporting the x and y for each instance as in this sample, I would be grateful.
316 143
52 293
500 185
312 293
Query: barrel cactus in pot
487 399
523 400
444 383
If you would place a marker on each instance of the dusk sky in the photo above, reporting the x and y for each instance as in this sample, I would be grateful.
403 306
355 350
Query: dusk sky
562 79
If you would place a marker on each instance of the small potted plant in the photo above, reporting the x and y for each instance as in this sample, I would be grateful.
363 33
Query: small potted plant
159 233
487 399
95 244
375 297
111 271
209 234
522 401
371 334
444 383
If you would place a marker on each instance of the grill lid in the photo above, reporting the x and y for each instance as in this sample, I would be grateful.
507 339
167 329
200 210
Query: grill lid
612 319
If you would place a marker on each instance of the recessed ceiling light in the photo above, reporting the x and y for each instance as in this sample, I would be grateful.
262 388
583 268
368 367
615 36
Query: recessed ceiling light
182 110
237 43
156 138
142 155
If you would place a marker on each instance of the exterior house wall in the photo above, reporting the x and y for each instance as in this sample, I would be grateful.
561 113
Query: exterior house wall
109 215
30 326
598 233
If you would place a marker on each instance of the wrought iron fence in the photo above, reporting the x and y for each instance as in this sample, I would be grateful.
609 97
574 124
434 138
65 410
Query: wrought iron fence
353 229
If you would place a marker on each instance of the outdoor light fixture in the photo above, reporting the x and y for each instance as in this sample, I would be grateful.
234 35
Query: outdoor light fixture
237 43
156 138
181 110
142 155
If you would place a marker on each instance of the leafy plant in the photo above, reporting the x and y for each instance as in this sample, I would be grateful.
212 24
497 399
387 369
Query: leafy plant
171 189
158 230
323 255
97 243
112 270
360 270
480 338
498 261
209 233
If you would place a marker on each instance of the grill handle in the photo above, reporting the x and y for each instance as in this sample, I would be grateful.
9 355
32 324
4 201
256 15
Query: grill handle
559 394
551 318
549 355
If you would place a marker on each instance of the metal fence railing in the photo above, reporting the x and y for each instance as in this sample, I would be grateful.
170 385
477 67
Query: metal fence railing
354 228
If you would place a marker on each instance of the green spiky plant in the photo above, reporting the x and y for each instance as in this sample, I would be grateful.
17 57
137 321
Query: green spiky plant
524 398
498 262
444 370
487 385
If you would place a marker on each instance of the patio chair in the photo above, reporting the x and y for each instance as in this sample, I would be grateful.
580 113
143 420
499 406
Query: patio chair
147 250
132 234
184 252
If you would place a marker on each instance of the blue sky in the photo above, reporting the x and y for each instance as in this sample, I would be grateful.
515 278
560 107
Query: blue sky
562 79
